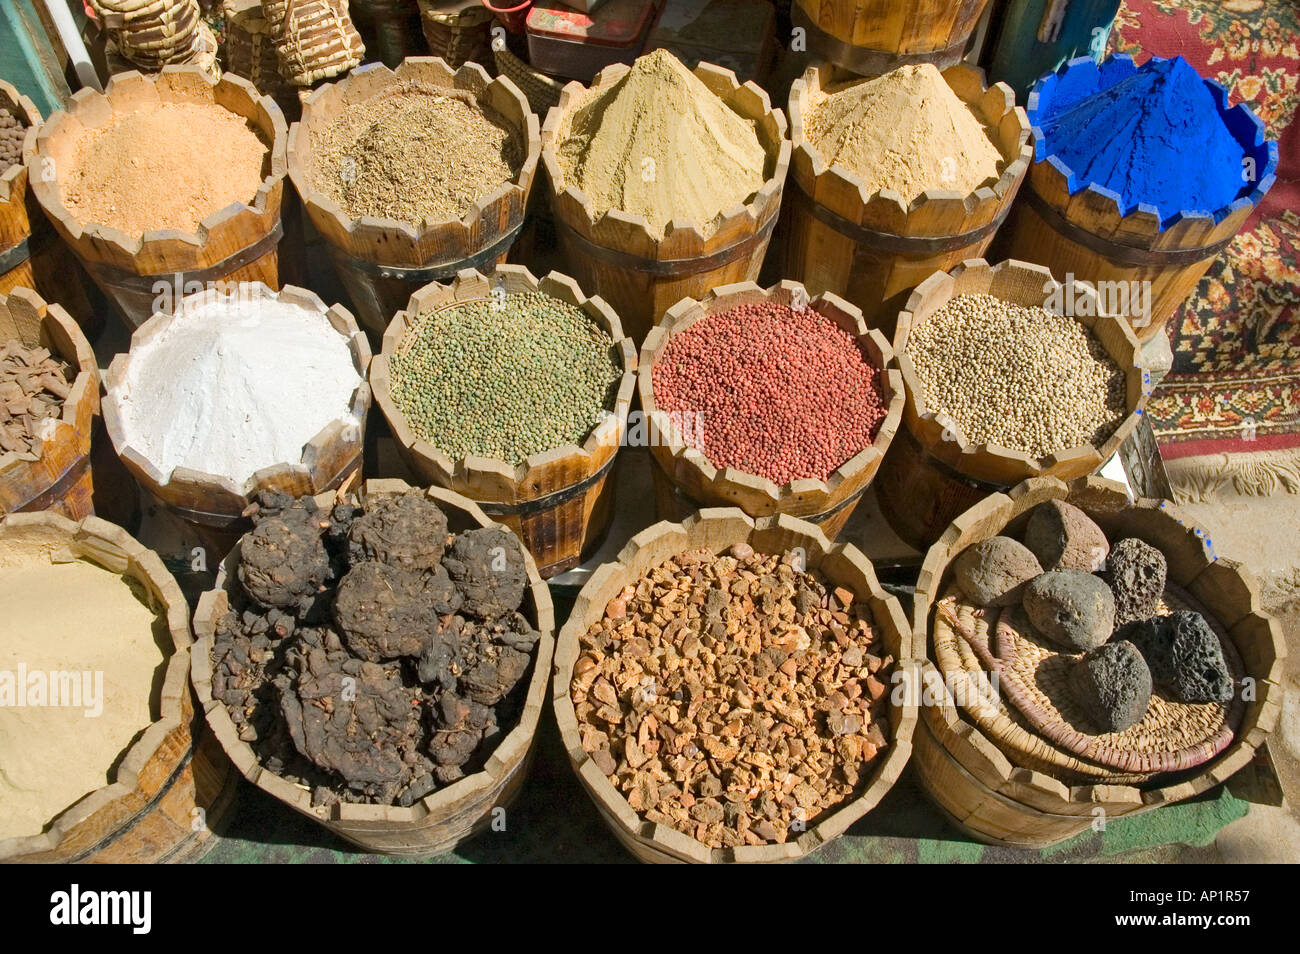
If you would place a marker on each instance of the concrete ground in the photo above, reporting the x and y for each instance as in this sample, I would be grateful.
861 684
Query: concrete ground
1264 533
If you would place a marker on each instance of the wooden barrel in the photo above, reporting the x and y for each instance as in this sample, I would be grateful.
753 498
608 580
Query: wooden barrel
213 505
169 791
616 256
236 244
559 502
1077 229
684 476
718 529
61 479
975 781
31 254
15 226
933 473
873 249
450 815
382 262
871 37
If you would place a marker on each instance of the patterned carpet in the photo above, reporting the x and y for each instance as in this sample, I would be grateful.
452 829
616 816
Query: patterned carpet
1235 385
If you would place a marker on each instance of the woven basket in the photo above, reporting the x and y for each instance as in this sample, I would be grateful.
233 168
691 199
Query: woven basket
541 91
975 767
1005 726
152 34
458 31
315 39
1051 728
250 49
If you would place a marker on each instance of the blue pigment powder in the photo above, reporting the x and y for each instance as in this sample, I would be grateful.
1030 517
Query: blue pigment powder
1155 137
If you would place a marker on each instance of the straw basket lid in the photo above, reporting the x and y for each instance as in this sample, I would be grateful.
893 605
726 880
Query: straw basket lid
631 234
367 824
717 529
500 480
1098 209
79 828
1023 284
323 457
1222 589
759 496
25 316
23 108
170 249
934 210
402 243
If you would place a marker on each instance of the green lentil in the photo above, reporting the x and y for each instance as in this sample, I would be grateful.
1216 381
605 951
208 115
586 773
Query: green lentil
505 377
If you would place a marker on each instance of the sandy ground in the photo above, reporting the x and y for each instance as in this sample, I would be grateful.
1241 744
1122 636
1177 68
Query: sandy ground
1264 533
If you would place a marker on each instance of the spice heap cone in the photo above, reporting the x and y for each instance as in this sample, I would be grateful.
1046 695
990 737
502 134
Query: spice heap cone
1154 138
660 144
906 131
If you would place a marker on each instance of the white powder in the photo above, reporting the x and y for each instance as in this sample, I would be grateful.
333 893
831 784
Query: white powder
234 385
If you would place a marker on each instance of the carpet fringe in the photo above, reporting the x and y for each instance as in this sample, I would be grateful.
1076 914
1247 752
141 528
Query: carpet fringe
1257 474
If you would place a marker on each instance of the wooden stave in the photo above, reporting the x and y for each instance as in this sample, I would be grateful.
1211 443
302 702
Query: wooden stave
360 246
883 31
64 469
1222 586
878 281
739 245
448 815
699 480
557 537
239 240
150 812
213 506
718 528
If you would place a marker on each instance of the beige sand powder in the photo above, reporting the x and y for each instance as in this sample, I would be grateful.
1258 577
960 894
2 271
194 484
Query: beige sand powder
69 618
906 131
661 144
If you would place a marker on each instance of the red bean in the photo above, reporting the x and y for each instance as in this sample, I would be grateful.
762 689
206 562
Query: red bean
783 393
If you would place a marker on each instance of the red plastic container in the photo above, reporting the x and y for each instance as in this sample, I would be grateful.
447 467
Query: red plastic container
513 16
568 43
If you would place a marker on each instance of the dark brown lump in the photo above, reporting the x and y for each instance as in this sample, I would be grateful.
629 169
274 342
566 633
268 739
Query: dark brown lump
406 530
283 563
385 612
365 683
352 717
487 566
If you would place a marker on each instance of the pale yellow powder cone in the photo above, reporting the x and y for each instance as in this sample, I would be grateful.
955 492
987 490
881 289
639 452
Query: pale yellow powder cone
906 131
661 144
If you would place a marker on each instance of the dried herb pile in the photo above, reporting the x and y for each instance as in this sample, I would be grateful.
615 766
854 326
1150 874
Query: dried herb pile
33 387
733 697
371 654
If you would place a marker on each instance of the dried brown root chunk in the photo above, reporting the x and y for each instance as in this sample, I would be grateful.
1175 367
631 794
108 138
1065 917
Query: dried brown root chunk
487 566
385 612
283 562
351 717
404 530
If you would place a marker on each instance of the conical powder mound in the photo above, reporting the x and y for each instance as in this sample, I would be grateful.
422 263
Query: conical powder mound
661 144
906 131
